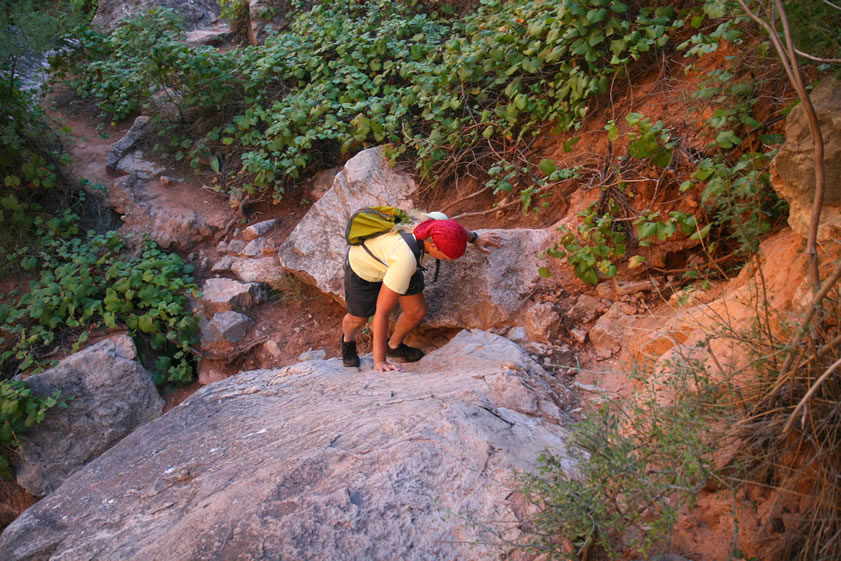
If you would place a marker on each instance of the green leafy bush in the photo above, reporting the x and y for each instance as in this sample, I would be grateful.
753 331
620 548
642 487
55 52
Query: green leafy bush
343 75
95 281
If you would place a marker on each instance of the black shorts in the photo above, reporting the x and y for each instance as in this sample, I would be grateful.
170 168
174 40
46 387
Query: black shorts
361 295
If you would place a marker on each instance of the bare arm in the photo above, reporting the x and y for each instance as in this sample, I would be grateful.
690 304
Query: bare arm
386 301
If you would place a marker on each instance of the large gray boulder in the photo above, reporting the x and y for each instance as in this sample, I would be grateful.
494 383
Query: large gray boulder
196 13
793 169
477 291
315 461
108 393
315 250
486 290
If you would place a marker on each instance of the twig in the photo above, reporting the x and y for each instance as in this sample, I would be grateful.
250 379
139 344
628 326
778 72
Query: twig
789 61
814 306
816 58
810 393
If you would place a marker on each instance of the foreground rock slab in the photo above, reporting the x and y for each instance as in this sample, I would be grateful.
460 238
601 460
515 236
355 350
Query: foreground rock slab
108 394
314 461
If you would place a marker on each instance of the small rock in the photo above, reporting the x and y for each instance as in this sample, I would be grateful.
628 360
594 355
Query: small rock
207 37
272 348
605 290
255 248
580 335
627 309
608 334
223 295
585 310
517 334
265 269
210 371
260 229
223 265
222 247
236 247
230 326
541 321
320 354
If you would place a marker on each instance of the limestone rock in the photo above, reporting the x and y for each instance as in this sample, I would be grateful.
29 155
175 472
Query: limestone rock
542 321
479 290
196 13
225 295
224 326
314 461
145 209
263 269
793 169
112 394
585 311
136 164
608 335
133 136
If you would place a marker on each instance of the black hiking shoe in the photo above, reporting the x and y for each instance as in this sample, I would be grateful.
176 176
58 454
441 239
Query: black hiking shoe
349 356
404 351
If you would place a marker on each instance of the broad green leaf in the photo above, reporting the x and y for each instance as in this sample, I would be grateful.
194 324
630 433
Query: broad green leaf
547 166
727 139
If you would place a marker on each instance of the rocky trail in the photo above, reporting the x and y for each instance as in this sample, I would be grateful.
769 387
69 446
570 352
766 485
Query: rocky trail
276 451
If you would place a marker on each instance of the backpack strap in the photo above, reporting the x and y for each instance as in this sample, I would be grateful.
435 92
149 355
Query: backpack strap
411 241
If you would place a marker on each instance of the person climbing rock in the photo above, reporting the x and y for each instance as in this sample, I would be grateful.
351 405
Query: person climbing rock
386 272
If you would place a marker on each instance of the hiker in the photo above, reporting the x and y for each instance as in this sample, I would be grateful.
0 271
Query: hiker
385 271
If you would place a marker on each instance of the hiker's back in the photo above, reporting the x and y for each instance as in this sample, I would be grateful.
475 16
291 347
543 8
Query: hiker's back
390 253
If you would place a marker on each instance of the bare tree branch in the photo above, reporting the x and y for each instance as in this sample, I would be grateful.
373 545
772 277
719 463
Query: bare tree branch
816 58
828 3
789 60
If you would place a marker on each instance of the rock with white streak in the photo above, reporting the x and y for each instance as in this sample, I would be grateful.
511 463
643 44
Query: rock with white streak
225 295
259 229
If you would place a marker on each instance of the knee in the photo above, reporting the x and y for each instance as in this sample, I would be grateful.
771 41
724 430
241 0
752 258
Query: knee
354 322
416 313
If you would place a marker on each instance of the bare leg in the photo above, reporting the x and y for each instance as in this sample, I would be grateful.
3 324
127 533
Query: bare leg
351 326
413 309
